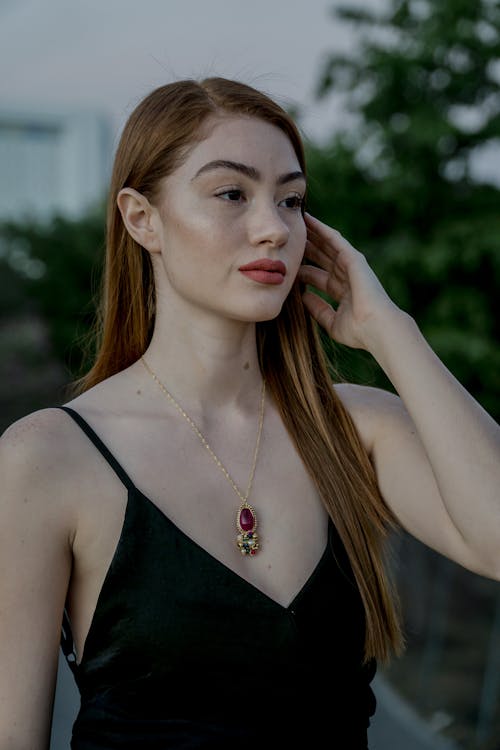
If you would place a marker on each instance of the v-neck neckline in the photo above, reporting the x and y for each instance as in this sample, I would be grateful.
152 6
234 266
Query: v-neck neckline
132 489
135 492
228 570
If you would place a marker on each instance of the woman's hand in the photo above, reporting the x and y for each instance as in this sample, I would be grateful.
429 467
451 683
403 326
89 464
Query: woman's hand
345 276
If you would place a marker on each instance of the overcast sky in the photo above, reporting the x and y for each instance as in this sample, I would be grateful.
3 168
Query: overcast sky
107 54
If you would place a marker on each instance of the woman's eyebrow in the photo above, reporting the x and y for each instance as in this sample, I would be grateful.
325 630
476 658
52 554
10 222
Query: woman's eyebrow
248 171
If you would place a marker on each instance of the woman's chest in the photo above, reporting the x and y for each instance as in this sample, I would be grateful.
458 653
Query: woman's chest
181 485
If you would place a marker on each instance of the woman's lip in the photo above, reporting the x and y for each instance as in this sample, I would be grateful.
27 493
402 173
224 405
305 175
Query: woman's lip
263 277
265 264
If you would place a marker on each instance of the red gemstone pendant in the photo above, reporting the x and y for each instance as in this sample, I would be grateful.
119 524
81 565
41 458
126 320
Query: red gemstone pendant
246 523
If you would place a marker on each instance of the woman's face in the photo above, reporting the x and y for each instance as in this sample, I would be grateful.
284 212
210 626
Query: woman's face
235 202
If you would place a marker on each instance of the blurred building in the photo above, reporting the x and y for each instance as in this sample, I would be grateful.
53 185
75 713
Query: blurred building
52 163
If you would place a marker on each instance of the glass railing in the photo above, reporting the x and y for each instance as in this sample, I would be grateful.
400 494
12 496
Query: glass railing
450 672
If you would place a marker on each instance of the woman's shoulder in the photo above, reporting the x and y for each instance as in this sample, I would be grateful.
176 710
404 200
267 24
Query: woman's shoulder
47 445
369 407
42 443
47 438
37 459
35 438
365 397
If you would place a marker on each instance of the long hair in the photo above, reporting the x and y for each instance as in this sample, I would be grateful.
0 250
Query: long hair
154 142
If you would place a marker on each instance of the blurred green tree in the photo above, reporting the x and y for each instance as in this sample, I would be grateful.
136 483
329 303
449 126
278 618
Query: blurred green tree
401 182
51 270
421 85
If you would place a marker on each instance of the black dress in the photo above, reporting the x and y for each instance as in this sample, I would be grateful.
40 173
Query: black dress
184 653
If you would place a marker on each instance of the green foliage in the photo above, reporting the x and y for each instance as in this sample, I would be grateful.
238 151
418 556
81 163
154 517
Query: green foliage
49 270
422 84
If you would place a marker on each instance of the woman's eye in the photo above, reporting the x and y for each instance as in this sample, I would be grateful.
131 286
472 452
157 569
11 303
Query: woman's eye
232 196
294 202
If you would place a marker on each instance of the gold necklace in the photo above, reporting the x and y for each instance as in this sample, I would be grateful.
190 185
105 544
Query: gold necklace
246 518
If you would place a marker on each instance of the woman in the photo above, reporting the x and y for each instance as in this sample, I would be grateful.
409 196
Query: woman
210 511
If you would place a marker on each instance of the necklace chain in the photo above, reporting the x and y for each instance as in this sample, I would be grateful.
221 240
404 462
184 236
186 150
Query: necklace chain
205 442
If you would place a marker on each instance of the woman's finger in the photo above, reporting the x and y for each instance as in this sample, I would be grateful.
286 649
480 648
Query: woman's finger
318 256
325 262
322 280
320 229
320 310
319 277
322 243
327 237
319 226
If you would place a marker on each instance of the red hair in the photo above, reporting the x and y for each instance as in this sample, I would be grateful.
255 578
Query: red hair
155 140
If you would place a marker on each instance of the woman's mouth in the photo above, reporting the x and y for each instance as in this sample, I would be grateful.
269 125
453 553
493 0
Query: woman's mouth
265 271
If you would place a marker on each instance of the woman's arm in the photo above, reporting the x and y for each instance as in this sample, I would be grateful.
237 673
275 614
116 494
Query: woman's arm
35 567
435 450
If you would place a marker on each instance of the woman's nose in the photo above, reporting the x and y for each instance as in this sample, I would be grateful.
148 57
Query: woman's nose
266 226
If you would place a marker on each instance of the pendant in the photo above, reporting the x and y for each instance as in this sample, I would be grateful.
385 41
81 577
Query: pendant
246 523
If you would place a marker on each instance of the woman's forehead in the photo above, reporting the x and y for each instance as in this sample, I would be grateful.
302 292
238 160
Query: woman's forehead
239 138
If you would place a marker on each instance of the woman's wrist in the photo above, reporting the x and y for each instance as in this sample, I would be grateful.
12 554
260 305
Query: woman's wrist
389 335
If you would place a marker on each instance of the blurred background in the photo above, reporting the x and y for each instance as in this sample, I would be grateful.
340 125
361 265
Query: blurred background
399 105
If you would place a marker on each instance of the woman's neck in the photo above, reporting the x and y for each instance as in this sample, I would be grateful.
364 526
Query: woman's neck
207 363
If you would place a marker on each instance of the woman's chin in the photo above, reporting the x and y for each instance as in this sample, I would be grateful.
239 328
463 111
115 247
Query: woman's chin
261 314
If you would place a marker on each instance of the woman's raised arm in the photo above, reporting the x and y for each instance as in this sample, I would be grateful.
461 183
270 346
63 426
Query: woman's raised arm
36 529
436 451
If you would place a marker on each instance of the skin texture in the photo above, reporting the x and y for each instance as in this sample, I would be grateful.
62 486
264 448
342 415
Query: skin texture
433 447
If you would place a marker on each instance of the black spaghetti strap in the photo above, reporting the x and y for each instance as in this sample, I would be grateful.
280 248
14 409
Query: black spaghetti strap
67 644
96 440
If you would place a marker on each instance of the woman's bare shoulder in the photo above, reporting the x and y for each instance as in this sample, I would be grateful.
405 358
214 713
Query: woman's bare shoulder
38 458
40 435
365 397
368 407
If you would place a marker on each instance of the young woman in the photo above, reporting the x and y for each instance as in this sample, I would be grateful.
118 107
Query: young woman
209 513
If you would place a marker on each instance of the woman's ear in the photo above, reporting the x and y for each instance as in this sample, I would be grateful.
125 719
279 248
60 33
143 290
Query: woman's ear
140 218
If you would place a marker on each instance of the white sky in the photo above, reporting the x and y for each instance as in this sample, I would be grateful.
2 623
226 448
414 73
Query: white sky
105 55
